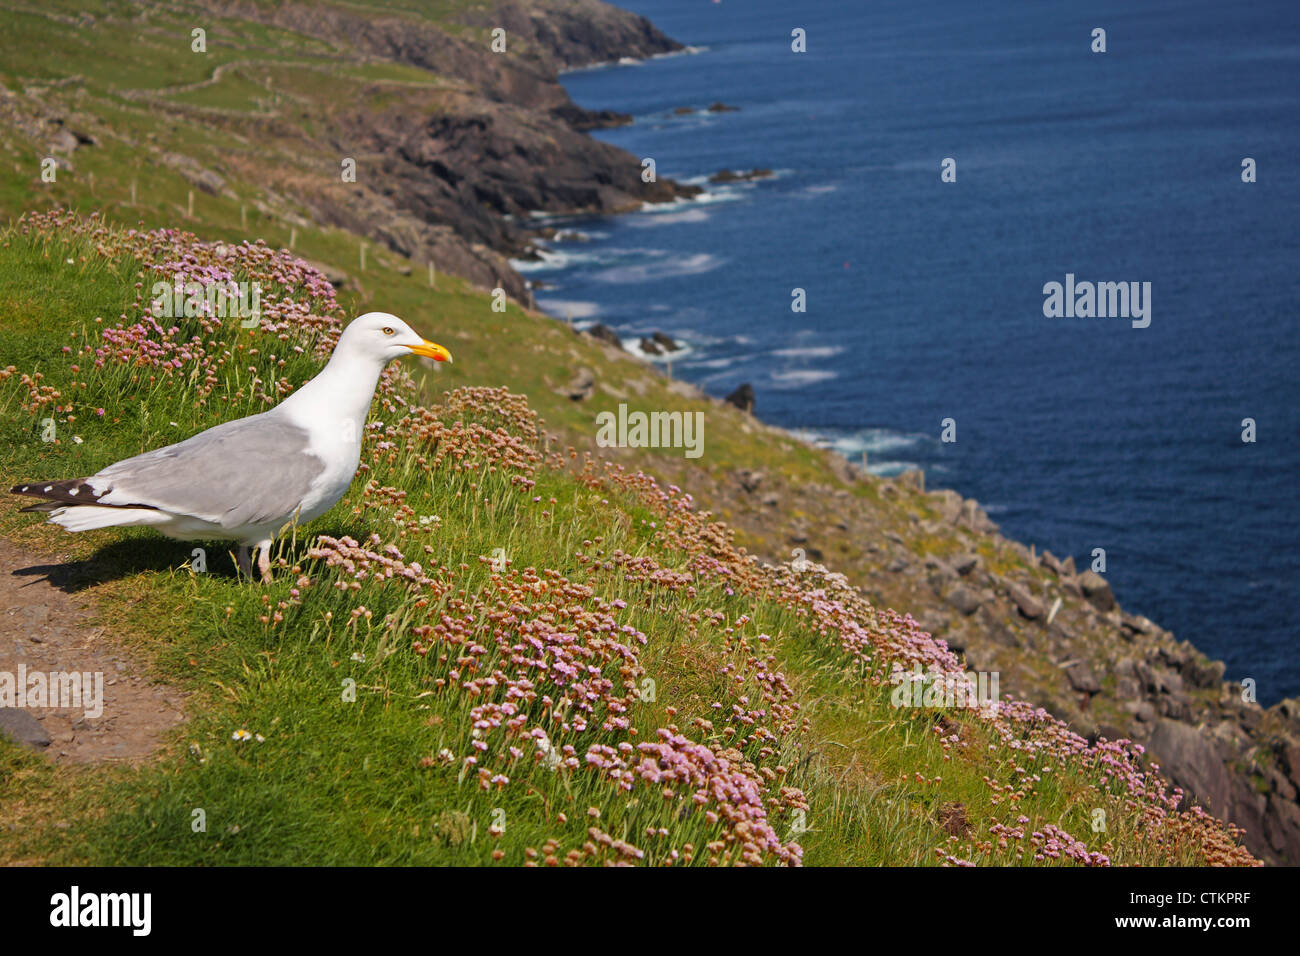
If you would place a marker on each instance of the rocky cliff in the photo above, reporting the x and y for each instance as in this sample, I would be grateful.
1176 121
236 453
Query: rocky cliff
501 141
453 144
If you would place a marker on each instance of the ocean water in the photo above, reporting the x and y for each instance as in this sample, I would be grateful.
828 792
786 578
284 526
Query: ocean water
925 298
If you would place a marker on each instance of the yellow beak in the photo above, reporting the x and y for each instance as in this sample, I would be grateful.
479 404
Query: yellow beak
431 350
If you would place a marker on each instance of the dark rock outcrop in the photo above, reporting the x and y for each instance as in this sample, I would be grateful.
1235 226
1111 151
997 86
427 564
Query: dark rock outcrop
450 173
603 333
1028 605
1097 590
731 176
659 344
742 397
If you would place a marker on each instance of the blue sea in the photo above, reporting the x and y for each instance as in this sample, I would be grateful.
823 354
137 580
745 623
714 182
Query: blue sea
925 298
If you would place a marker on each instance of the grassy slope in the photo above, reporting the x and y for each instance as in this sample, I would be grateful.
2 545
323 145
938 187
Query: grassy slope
532 354
352 772
342 782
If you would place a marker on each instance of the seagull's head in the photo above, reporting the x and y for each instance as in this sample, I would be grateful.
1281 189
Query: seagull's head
384 337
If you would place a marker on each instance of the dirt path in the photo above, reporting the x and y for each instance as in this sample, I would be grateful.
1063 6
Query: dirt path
46 629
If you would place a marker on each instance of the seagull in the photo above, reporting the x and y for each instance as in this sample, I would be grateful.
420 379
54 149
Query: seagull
244 480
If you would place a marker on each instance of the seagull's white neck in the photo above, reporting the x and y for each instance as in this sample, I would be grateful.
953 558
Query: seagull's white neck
340 394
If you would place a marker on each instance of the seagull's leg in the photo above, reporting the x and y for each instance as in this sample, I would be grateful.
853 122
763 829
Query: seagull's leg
264 560
242 559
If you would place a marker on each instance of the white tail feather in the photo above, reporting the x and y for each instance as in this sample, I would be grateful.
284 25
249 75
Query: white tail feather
89 517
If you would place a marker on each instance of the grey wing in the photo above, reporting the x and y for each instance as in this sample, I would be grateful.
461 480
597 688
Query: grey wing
250 471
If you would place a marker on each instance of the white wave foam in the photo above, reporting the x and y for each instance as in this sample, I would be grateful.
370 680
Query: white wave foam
799 378
669 268
668 219
569 309
888 469
873 441
726 193
809 351
551 260
715 363
633 61
813 192
633 346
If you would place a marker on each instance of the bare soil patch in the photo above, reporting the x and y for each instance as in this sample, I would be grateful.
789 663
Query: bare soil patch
46 628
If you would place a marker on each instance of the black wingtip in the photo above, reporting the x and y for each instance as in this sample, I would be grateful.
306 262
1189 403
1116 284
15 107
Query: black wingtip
59 490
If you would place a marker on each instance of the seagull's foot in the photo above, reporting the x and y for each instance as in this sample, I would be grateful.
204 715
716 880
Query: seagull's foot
242 559
264 561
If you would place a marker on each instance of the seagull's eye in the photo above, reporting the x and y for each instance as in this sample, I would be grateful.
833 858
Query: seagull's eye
388 331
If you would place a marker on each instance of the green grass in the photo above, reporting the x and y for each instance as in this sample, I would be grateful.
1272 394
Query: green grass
347 781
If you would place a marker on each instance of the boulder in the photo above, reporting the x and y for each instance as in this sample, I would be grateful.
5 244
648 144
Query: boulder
582 387
1029 606
1138 624
1291 762
1175 708
749 479
1082 678
964 564
1282 828
63 141
964 600
603 333
1289 710
1096 590
975 518
948 503
912 478
731 176
1279 784
23 728
195 174
940 567
1190 759
742 398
